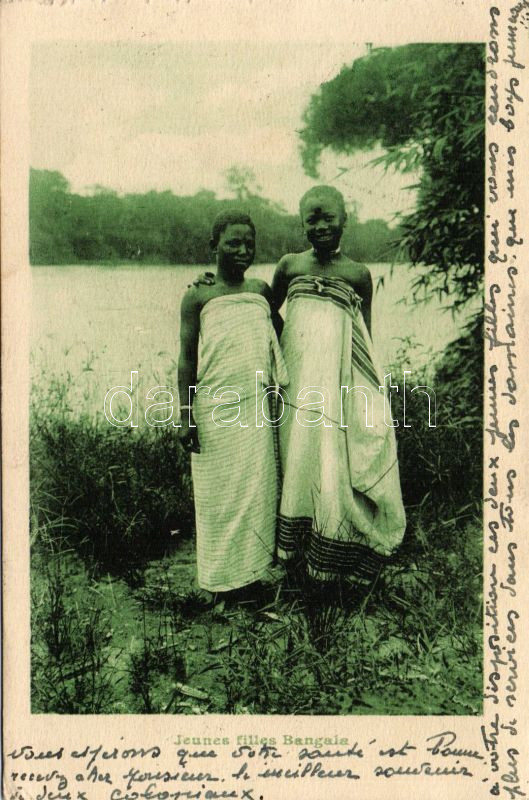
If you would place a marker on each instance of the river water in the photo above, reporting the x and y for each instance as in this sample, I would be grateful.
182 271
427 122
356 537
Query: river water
92 325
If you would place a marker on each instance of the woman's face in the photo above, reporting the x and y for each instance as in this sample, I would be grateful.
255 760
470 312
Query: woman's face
323 220
236 248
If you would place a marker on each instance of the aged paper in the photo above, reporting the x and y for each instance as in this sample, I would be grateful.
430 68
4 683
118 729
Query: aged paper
125 756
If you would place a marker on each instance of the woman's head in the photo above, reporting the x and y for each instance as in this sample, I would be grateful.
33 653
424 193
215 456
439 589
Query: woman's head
325 193
322 211
233 242
226 218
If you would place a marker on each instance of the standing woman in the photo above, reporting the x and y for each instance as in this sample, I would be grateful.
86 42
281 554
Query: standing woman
226 338
341 504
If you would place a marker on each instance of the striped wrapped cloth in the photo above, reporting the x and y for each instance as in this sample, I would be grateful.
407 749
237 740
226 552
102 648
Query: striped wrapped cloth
235 475
341 503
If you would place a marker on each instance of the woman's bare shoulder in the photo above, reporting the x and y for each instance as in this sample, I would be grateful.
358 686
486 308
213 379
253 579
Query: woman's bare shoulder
195 298
258 286
355 271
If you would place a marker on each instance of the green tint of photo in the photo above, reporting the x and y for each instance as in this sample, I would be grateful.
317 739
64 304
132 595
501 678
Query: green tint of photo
299 236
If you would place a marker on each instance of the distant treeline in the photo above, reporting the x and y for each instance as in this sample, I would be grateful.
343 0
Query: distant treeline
160 227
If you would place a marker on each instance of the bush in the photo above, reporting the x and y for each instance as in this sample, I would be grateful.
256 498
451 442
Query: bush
71 636
119 493
441 467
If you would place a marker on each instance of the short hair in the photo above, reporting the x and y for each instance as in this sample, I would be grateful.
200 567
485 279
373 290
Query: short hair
230 217
329 192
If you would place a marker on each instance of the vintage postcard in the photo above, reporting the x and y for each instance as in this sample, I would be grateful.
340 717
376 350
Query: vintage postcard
264 399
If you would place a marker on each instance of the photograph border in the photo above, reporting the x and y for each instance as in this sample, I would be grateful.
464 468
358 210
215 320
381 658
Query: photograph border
501 735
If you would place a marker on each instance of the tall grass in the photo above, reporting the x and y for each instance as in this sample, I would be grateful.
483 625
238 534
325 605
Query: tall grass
441 467
70 634
105 500
119 494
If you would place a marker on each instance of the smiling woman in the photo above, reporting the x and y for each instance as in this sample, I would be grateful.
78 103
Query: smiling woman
323 216
341 504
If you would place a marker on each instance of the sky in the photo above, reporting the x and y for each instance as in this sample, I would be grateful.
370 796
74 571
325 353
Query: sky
176 116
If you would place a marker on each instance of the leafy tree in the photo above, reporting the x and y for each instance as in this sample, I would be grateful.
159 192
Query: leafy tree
49 218
241 181
424 103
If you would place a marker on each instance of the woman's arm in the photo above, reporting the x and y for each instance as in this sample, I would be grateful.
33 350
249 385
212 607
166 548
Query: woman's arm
277 319
279 285
278 293
187 364
366 292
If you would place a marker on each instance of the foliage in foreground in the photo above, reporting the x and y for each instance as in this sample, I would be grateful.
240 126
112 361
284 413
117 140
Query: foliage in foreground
139 640
118 494
441 467
410 647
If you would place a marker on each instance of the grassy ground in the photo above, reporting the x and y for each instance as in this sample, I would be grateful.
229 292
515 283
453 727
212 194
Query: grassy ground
118 625
148 644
